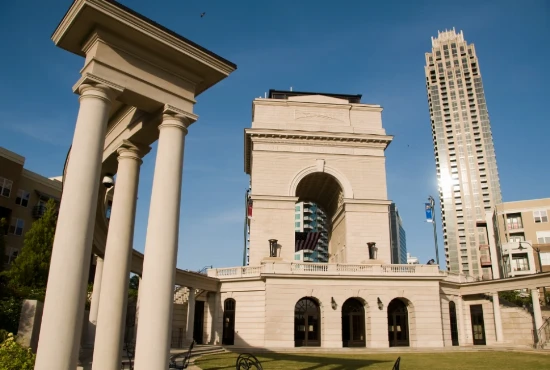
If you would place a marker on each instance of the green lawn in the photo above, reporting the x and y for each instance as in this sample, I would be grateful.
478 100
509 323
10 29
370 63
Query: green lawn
409 361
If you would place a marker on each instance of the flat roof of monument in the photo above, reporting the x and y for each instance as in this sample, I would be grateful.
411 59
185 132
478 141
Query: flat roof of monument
84 16
283 94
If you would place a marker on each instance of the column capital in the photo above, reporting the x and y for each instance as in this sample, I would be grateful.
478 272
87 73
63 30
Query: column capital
131 150
90 85
171 114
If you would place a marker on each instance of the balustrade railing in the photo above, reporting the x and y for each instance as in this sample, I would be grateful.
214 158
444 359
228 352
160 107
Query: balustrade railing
301 268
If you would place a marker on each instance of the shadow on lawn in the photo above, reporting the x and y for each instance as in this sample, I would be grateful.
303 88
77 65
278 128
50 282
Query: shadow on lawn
310 361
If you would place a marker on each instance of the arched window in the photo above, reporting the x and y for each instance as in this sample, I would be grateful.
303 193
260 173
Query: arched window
228 336
307 323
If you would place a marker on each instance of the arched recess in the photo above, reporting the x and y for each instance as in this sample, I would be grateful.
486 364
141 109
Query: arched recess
353 323
401 328
307 323
229 308
320 210
342 180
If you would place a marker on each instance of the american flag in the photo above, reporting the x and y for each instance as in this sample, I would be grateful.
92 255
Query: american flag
307 241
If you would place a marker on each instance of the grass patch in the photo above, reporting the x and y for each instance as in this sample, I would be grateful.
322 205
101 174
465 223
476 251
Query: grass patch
409 361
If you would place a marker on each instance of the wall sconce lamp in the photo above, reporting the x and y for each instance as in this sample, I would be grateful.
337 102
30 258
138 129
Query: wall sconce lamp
333 303
380 304
272 247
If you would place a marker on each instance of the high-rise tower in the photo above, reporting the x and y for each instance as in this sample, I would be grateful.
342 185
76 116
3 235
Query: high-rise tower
464 152
398 237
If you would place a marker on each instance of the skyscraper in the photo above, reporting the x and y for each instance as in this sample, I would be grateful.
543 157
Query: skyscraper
309 217
463 146
398 238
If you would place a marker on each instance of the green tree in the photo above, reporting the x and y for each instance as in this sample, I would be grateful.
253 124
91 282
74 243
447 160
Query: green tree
133 287
2 242
30 268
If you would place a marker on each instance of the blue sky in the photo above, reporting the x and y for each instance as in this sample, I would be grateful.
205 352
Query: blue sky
372 48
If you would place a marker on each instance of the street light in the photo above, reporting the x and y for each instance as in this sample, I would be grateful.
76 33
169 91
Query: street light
536 249
431 206
533 248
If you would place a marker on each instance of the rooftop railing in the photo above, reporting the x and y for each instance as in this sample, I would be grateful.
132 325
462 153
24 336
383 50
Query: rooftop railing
341 269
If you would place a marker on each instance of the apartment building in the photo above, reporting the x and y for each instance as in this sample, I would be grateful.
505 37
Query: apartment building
23 196
463 147
522 236
310 217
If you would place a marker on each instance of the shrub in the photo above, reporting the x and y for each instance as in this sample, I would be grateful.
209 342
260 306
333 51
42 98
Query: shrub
13 356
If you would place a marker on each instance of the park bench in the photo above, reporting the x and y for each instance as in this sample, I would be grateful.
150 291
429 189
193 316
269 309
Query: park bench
247 361
183 362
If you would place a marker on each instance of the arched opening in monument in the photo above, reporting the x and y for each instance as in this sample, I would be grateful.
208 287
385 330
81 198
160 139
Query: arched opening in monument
319 221
353 323
454 325
228 336
307 323
398 323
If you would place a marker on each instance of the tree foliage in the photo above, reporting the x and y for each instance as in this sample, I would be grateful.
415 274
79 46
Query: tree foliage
133 287
30 268
2 242
13 356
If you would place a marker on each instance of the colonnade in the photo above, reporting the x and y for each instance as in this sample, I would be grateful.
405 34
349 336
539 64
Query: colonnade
64 303
497 317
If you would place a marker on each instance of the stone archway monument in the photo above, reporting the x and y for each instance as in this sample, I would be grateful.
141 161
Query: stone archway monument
130 64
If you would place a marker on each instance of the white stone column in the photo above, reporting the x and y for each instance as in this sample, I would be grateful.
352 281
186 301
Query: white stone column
498 318
72 248
460 320
161 246
214 308
94 305
190 315
536 310
118 253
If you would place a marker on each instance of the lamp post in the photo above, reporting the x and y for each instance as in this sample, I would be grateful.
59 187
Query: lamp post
431 206
272 247
536 249
372 250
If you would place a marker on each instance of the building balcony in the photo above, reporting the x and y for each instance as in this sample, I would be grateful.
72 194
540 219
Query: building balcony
308 227
324 269
38 211
485 261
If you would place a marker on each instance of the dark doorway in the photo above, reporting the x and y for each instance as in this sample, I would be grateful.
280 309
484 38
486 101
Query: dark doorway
454 326
478 325
398 324
198 326
353 324
228 337
307 323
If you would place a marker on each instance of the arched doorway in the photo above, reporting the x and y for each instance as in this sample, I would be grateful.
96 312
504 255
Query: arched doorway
353 323
228 336
454 326
307 323
398 324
